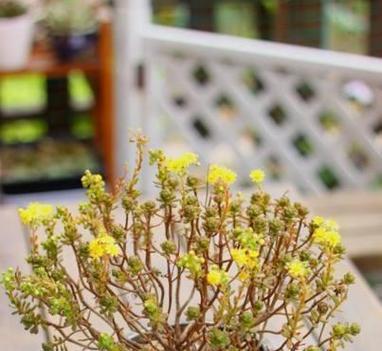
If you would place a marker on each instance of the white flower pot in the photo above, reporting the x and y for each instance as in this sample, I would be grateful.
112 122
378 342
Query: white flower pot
16 35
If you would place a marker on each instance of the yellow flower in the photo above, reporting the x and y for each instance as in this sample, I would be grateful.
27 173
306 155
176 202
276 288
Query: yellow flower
318 220
252 259
218 174
326 235
243 257
332 224
103 245
239 256
192 262
244 276
257 176
36 213
297 269
217 276
326 238
182 163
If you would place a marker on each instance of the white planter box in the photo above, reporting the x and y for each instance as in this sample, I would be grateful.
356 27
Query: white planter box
16 36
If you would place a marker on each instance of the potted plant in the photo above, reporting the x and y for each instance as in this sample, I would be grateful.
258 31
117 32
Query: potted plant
16 34
72 27
185 271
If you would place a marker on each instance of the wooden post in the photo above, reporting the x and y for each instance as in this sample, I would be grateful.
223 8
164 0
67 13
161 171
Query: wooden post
304 22
105 99
281 22
375 36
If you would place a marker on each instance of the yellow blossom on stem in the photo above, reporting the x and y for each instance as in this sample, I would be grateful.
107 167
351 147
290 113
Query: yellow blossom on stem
297 269
218 174
217 276
239 256
318 220
244 276
332 224
103 245
252 259
192 262
245 258
257 176
180 164
36 213
326 238
326 234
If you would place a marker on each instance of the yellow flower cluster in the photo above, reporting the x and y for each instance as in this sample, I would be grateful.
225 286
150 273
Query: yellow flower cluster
180 164
192 262
103 245
245 258
217 276
297 269
326 234
320 221
257 176
36 213
248 239
244 276
218 174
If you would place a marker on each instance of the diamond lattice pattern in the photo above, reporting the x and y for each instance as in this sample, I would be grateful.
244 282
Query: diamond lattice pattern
321 132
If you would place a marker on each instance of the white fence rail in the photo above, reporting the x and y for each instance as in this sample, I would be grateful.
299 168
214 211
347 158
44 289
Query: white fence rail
307 116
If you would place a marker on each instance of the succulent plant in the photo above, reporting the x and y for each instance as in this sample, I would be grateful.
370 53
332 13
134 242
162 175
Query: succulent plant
65 17
195 268
12 8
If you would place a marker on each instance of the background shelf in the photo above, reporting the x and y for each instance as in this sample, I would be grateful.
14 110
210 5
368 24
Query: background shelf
55 119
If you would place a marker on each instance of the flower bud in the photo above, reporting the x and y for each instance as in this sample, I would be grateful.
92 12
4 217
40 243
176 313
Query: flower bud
168 247
354 329
192 313
349 278
322 307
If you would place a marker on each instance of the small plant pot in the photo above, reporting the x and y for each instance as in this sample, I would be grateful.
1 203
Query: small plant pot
16 36
68 47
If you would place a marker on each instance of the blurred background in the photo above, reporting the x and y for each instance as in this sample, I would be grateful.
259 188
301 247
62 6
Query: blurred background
56 107
292 86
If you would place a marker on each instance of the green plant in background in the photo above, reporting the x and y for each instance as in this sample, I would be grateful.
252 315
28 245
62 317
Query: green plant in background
347 25
195 268
236 18
28 91
22 92
12 8
82 126
172 15
48 159
80 91
22 131
70 17
271 5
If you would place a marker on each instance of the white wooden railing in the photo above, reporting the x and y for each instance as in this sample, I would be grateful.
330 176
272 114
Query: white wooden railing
307 116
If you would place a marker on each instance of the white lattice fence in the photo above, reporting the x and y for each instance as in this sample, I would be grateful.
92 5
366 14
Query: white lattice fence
305 115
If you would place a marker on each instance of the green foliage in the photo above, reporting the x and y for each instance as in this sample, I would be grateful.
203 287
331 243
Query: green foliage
22 131
65 17
107 343
218 339
227 265
193 313
12 8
